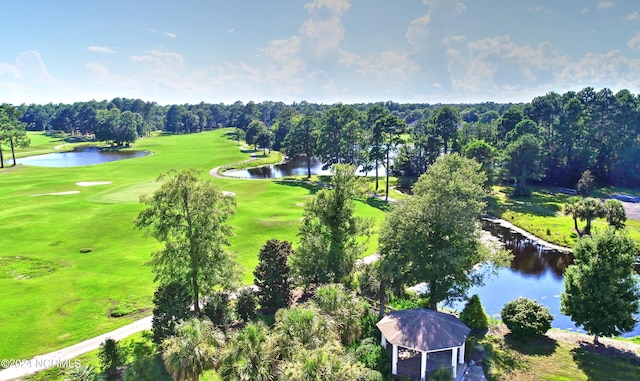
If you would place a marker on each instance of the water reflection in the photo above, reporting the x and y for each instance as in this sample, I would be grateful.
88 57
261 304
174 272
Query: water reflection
535 273
530 259
292 167
80 156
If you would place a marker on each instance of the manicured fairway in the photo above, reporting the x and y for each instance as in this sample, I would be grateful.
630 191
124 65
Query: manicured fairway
88 257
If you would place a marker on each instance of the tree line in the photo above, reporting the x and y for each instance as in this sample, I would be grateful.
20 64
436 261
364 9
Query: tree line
550 140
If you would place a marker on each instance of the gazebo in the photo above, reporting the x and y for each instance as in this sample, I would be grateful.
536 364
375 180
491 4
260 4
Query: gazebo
431 333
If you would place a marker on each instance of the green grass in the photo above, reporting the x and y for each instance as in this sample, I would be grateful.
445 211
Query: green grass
546 359
92 260
542 215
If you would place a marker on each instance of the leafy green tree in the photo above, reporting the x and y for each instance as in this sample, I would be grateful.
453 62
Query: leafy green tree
189 216
271 276
111 358
376 136
473 315
194 349
524 162
332 237
344 307
446 120
336 140
12 131
483 153
523 127
264 139
217 308
302 140
601 290
171 306
615 214
391 127
431 237
246 304
239 133
586 184
253 130
247 356
526 318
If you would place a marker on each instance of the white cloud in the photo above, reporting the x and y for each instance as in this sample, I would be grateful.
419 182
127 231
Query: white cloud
171 35
439 14
584 10
634 42
605 4
101 49
540 8
231 30
633 16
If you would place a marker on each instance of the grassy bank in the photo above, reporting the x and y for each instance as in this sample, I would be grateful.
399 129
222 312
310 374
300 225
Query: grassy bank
73 259
558 356
542 214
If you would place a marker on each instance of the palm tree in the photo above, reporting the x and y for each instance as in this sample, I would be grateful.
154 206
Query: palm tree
301 327
193 349
247 356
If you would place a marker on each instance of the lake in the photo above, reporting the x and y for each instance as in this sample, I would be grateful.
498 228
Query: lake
291 167
80 156
535 273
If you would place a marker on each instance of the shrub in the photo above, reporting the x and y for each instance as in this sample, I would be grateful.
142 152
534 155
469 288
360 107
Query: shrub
218 309
246 304
111 358
473 314
526 318
171 305
440 374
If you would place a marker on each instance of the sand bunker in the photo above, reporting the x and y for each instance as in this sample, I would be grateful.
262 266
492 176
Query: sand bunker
56 193
228 194
92 183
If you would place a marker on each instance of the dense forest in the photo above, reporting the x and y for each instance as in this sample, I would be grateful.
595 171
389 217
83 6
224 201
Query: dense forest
550 140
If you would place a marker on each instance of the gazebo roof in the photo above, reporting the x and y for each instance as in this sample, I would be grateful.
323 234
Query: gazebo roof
423 330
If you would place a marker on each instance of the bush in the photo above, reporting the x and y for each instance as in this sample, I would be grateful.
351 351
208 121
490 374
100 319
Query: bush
440 374
218 309
111 358
473 314
526 318
246 304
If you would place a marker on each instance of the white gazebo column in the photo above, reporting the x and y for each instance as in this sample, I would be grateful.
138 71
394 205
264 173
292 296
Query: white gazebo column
394 360
461 354
383 342
454 362
423 366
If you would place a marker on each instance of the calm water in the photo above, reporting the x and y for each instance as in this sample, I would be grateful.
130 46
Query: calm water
292 167
80 156
534 273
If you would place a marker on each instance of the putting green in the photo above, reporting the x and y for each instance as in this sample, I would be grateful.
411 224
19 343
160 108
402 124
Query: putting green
102 259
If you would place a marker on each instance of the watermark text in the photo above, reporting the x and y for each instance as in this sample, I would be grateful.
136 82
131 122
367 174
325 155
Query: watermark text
40 363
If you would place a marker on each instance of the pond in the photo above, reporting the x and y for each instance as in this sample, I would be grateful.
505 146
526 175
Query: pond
292 167
535 273
80 156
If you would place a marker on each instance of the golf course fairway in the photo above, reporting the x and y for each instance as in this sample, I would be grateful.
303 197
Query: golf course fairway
70 257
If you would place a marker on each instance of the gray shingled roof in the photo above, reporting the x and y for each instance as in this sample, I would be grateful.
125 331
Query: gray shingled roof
423 330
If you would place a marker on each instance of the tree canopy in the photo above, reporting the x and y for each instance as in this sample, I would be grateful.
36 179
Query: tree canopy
601 290
189 215
332 237
431 237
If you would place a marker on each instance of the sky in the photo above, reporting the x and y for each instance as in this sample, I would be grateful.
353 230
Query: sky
324 51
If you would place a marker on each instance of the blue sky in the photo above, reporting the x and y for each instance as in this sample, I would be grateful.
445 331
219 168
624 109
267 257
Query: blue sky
315 50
